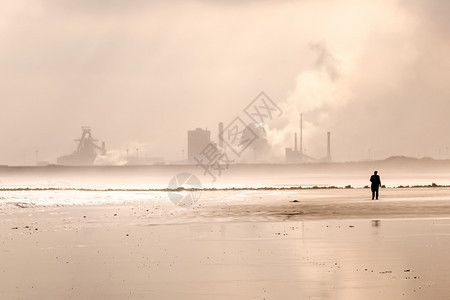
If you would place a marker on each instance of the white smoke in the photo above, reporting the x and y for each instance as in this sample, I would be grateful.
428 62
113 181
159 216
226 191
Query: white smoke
124 155
111 158
319 90
259 148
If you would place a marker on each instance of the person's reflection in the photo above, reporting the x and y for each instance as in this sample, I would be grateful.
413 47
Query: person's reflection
376 228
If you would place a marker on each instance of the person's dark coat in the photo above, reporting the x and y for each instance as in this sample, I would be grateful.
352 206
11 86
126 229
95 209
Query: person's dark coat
376 182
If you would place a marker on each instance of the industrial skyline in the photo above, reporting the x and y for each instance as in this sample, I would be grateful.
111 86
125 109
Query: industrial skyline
142 76
290 155
88 152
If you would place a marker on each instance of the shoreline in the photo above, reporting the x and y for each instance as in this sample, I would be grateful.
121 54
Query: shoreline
268 188
270 205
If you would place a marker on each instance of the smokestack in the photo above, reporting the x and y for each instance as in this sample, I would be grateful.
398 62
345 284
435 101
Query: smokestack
295 142
220 132
301 137
328 146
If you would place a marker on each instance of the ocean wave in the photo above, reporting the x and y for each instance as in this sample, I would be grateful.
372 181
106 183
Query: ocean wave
37 189
231 188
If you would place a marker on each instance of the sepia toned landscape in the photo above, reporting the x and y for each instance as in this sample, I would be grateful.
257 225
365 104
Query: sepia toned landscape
208 149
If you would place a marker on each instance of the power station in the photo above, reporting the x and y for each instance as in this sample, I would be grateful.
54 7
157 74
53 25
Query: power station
292 155
198 139
86 151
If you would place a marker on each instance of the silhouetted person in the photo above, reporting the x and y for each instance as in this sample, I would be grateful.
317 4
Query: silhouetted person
376 183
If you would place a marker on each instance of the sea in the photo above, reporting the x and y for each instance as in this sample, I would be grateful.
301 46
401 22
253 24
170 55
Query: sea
85 185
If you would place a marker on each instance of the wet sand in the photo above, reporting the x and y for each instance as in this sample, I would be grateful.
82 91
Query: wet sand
329 244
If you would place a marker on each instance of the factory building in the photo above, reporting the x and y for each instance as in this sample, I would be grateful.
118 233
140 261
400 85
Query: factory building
86 152
293 155
198 139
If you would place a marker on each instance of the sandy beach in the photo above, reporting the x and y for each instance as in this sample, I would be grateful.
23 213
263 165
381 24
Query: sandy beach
289 244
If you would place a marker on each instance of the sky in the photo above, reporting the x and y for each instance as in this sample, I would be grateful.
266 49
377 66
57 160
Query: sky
141 73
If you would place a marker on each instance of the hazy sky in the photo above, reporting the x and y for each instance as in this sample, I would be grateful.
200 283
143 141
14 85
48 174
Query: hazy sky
140 73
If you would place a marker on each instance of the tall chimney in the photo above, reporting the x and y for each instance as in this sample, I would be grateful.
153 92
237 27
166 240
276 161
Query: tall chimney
328 146
295 141
301 137
219 136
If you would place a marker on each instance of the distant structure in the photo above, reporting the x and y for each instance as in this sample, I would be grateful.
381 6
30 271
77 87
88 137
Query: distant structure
86 151
297 156
301 137
198 139
328 158
40 163
293 155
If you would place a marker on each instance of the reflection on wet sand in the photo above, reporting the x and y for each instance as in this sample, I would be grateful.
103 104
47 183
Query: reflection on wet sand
376 223
328 244
128 254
